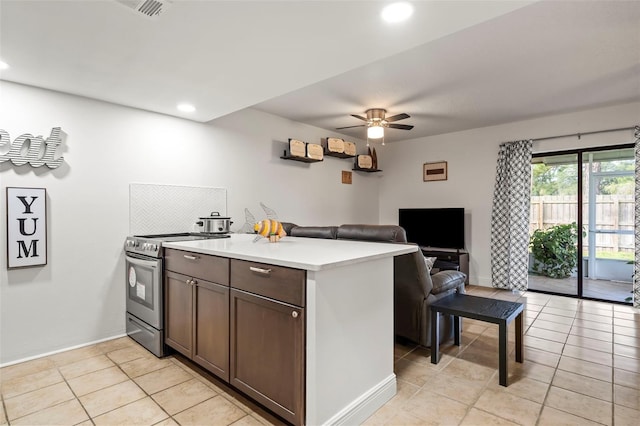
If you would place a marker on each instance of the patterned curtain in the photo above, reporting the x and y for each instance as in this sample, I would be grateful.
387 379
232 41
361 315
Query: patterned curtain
636 275
510 217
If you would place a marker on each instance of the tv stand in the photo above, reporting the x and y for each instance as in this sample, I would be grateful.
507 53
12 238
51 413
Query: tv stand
458 257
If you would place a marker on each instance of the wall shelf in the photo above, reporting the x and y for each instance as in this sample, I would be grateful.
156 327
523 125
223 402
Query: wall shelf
301 159
338 154
358 169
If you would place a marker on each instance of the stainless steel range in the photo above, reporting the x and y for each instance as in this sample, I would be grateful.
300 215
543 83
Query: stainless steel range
144 284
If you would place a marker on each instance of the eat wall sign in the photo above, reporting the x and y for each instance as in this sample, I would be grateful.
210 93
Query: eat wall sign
26 227
40 151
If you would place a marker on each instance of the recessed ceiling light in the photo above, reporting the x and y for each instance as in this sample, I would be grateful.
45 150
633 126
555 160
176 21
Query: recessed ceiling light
3 65
184 107
397 12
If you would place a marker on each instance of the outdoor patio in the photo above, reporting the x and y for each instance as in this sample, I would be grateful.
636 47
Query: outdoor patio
598 289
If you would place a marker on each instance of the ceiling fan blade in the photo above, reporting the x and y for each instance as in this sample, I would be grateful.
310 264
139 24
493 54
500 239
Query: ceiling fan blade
359 117
400 126
349 127
397 117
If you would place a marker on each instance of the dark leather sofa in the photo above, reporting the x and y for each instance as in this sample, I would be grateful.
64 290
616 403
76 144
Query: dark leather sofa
414 288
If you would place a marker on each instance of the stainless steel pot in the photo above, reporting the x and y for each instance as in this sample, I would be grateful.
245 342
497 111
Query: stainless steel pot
215 224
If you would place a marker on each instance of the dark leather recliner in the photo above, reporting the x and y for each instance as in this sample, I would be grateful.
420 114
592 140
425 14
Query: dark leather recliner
414 288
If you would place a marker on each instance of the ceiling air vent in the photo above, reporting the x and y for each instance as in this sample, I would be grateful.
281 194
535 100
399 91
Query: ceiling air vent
148 8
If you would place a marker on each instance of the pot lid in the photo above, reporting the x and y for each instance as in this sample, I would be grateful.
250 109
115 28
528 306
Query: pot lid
214 215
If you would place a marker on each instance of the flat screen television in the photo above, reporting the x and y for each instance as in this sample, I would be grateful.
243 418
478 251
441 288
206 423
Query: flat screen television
437 228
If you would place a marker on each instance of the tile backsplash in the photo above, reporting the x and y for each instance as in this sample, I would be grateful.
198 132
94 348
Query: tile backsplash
156 209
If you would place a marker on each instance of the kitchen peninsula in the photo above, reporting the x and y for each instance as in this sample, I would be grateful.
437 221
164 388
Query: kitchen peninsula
332 301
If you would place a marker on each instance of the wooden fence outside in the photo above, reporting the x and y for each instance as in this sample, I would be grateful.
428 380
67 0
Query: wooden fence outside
613 212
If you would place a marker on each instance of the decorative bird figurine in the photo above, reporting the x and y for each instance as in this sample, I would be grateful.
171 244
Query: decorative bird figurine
269 228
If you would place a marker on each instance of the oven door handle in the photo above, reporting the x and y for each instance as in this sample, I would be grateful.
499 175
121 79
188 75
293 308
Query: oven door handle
145 263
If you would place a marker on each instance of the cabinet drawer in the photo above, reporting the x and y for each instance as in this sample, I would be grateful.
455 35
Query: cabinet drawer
276 282
196 265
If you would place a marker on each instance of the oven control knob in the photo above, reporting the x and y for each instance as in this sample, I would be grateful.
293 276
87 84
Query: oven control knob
145 246
154 247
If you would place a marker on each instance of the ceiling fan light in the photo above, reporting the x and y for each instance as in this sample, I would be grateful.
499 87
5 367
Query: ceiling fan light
397 12
375 132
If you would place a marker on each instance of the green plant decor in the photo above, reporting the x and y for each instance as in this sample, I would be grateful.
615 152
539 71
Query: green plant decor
555 251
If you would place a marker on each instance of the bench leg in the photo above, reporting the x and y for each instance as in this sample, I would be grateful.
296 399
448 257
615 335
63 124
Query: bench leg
519 338
502 348
435 337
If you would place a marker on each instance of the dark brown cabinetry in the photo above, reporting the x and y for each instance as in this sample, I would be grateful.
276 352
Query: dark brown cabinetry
179 312
267 347
244 322
211 349
459 258
268 336
197 309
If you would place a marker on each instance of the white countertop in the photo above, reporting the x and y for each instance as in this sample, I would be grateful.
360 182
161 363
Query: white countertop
312 254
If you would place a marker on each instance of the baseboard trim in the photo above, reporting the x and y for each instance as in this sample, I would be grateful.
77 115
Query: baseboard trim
368 403
82 345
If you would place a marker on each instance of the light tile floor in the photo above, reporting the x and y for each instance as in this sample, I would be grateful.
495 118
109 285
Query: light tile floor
582 367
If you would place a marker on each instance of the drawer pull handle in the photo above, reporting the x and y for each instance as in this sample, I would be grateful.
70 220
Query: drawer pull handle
260 270
294 314
186 256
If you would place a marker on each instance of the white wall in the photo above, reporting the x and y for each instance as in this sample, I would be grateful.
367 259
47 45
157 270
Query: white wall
471 157
78 297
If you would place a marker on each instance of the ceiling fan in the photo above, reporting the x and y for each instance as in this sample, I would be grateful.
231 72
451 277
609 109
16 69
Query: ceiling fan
376 121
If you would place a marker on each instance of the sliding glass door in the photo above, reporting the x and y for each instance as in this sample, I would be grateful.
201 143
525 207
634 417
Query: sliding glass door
553 224
608 216
585 251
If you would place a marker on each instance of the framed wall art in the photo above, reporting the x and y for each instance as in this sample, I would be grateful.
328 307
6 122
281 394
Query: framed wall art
26 227
434 171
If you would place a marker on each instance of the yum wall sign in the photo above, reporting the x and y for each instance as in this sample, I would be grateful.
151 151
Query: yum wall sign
34 150
26 227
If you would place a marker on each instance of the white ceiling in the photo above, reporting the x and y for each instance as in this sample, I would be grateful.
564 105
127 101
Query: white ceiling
455 65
